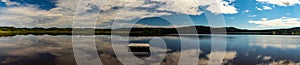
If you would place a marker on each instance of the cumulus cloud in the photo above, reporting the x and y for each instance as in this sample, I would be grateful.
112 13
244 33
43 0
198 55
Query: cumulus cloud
281 2
283 21
3 1
32 17
264 19
222 8
259 9
87 12
9 3
267 8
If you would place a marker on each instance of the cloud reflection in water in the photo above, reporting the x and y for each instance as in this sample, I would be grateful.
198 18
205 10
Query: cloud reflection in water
57 50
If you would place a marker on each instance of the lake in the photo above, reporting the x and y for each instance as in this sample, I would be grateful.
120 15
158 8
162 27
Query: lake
240 49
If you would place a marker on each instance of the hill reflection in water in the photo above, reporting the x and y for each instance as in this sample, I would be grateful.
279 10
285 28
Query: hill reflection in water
58 50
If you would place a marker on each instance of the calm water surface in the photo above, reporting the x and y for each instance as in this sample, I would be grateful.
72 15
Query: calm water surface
240 49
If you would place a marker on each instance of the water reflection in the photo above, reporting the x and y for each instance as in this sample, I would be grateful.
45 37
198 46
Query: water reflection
57 50
282 42
36 50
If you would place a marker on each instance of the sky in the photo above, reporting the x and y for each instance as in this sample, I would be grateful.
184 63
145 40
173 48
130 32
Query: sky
244 14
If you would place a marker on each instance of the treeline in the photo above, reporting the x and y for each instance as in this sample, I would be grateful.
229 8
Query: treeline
85 31
233 30
143 31
50 31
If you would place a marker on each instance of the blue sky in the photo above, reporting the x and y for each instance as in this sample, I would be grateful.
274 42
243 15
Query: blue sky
245 14
241 19
2 4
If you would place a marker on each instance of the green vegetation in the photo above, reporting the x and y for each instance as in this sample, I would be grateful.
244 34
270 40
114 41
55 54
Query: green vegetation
8 31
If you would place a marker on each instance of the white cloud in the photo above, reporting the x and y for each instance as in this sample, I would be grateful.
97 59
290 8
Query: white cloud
230 1
87 12
258 8
284 21
281 2
3 0
263 8
267 8
252 15
9 3
180 6
246 11
28 11
27 17
222 8
264 19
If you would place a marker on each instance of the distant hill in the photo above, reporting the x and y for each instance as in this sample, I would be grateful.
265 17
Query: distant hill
145 31
207 30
